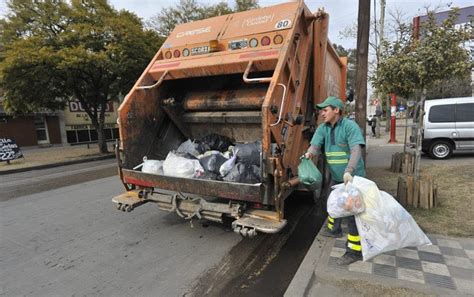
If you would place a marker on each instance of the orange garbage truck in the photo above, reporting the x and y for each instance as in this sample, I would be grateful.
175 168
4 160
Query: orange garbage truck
251 77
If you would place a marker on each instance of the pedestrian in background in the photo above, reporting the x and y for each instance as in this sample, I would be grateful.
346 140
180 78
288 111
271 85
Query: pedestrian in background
373 126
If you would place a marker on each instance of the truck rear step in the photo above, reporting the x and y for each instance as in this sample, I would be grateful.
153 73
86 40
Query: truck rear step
189 207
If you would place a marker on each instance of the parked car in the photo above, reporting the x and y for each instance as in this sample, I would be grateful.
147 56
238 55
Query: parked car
448 126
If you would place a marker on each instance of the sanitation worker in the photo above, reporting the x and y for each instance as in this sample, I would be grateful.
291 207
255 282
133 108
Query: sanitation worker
341 142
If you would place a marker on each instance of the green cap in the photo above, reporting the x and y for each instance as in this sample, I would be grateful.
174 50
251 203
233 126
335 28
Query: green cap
331 101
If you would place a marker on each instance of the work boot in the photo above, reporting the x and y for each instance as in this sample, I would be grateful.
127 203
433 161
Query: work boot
328 233
348 258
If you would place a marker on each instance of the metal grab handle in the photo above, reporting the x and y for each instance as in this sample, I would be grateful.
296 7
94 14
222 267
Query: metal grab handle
254 80
155 84
281 106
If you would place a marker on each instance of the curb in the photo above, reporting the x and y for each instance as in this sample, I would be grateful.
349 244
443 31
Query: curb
52 165
304 276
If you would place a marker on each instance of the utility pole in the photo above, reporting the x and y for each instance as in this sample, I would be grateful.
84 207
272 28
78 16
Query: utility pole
363 28
379 51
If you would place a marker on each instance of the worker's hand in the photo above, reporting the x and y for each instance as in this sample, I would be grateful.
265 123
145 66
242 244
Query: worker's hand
308 156
347 178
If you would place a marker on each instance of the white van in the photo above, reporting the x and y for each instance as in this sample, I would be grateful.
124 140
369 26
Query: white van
448 126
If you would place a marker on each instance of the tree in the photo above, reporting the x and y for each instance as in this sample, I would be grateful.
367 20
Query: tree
243 5
59 50
351 64
409 65
191 10
415 64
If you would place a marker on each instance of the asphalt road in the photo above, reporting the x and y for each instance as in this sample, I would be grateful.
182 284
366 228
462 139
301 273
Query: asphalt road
35 181
68 239
72 241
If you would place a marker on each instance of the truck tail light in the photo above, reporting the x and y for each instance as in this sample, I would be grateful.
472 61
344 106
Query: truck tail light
277 39
168 55
265 40
176 53
185 52
253 42
213 46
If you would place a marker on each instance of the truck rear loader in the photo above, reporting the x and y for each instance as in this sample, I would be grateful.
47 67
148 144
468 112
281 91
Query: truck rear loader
253 75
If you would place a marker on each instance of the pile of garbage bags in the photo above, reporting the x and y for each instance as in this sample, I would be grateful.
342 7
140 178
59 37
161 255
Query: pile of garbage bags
213 157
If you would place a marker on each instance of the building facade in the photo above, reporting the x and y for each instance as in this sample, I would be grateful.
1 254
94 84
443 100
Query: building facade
69 126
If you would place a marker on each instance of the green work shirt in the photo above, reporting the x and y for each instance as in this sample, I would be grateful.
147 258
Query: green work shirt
336 143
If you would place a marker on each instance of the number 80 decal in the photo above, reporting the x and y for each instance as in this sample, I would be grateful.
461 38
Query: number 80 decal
283 24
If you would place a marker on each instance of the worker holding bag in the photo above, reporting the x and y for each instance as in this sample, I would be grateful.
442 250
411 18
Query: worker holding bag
341 142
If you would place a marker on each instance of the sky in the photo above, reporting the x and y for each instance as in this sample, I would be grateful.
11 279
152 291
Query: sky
342 13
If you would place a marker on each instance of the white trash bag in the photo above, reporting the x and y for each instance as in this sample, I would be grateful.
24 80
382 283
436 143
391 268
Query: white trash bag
188 147
228 165
181 167
345 201
384 225
151 166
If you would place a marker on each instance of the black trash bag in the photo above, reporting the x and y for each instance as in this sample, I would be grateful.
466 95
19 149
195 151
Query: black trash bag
208 175
244 173
257 173
249 153
213 142
212 163
187 156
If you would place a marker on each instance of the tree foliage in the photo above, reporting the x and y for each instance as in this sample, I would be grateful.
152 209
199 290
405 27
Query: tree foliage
409 65
351 64
59 50
191 10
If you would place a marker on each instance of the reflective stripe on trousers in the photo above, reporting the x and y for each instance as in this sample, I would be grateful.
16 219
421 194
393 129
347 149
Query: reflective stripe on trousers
353 243
330 223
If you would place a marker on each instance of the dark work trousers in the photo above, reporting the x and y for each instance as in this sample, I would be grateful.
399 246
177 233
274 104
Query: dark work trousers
353 238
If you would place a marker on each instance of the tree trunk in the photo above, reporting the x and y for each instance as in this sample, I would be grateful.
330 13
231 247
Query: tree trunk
101 141
418 139
363 27
418 134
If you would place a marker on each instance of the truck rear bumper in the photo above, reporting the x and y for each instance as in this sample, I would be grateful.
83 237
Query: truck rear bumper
247 223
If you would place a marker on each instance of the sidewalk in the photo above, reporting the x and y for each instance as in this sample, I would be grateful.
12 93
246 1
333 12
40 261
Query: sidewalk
56 155
445 268
442 269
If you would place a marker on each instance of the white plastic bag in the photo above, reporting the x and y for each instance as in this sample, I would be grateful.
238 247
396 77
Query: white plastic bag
188 147
150 166
384 225
345 201
181 167
228 165
209 153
